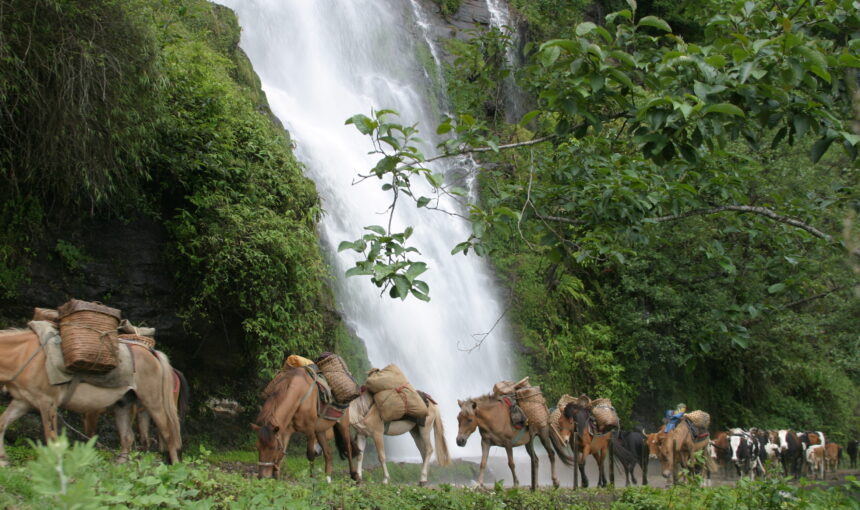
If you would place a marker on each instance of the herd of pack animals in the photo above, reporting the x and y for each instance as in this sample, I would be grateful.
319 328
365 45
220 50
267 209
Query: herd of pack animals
295 402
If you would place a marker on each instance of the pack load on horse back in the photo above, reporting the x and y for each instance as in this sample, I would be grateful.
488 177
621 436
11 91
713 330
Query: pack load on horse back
511 416
85 367
394 396
388 407
590 426
311 399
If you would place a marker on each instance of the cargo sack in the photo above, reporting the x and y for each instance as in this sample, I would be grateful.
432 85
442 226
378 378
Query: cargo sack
604 413
393 394
531 401
700 419
509 387
403 401
343 385
296 361
89 336
45 314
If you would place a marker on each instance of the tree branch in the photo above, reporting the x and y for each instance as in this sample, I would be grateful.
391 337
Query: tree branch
762 211
488 149
816 296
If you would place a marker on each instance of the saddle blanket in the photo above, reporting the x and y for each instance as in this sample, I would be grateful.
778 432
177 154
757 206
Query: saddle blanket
49 338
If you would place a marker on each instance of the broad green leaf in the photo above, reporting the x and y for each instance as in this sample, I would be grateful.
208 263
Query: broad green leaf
376 228
655 22
364 124
725 108
819 148
529 116
422 201
584 28
775 288
357 271
345 245
415 269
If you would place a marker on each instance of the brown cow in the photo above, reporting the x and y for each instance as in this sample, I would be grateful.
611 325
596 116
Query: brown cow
832 453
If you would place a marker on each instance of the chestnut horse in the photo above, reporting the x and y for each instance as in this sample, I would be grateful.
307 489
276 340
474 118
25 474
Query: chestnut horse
365 418
576 420
492 417
676 448
180 396
22 370
292 405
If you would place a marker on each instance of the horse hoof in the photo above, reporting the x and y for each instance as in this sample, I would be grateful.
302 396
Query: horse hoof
122 458
422 483
555 483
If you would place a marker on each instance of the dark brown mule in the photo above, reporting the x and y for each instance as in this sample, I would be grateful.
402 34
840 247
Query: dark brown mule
576 421
291 405
181 390
22 370
492 417
676 449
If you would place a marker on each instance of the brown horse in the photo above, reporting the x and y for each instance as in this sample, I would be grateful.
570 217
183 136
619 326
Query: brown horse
292 405
577 420
180 397
676 448
492 417
22 370
365 418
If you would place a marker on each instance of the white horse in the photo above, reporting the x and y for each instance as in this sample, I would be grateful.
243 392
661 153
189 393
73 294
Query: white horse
365 418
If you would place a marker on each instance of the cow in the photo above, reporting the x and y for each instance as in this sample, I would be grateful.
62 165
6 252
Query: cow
815 461
852 453
721 452
832 456
744 452
636 442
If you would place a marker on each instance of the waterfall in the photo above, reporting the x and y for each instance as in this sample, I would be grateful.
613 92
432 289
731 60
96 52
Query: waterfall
515 101
321 62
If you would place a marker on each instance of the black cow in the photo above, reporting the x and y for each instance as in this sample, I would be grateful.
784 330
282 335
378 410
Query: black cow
636 443
852 453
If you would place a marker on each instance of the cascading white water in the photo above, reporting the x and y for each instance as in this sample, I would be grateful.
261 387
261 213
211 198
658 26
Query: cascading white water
321 62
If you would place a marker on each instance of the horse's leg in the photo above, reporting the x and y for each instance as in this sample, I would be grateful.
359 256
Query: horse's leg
534 464
379 441
48 412
341 428
426 448
122 415
485 452
326 453
583 456
91 422
513 467
611 448
600 456
16 409
143 429
361 443
550 452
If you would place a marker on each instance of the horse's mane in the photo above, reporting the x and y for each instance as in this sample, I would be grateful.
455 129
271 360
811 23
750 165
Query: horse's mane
489 398
272 392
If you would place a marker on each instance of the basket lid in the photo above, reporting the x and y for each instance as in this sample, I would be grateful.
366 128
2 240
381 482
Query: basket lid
77 305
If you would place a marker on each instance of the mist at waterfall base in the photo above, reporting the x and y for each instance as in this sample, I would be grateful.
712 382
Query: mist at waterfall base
320 63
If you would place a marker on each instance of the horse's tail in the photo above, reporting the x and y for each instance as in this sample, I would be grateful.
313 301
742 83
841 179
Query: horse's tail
174 434
183 398
342 439
623 457
560 449
442 455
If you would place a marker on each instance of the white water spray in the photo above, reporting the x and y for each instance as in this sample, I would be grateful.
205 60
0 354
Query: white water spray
321 62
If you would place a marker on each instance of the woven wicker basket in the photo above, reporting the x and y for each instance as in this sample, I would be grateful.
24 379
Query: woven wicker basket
531 401
343 386
509 387
700 419
604 413
145 340
89 336
45 314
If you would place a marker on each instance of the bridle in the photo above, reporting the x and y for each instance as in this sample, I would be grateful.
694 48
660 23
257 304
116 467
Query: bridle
276 467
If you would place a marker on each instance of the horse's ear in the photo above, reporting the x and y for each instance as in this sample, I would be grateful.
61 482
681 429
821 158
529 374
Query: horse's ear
255 426
459 402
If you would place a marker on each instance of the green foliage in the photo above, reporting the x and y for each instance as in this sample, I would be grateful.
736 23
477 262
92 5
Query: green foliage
77 477
448 7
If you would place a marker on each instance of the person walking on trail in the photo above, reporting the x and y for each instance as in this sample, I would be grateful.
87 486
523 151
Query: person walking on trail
674 417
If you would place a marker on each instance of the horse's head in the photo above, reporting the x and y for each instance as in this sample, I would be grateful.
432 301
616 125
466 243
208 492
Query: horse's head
467 421
270 450
574 418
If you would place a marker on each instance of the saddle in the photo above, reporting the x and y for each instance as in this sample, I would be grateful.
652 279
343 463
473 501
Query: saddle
694 431
519 420
327 407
